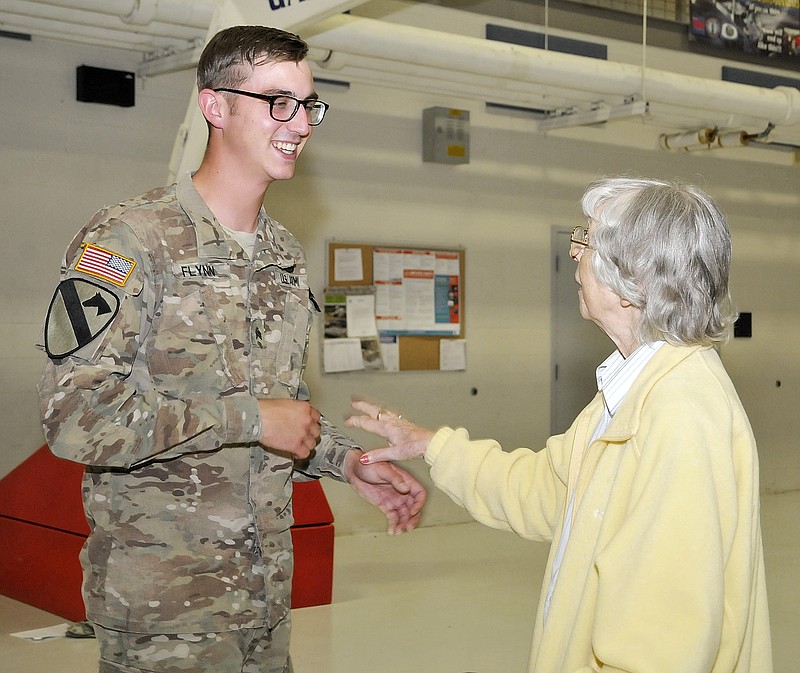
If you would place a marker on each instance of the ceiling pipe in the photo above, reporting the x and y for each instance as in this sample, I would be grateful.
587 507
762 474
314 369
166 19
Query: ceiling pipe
423 47
713 138
704 139
516 95
690 140
194 13
142 14
100 37
519 97
414 57
66 18
490 89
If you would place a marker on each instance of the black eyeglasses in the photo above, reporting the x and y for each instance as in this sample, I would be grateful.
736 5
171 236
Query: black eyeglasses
283 108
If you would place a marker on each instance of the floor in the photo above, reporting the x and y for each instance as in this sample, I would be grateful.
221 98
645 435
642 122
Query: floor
448 599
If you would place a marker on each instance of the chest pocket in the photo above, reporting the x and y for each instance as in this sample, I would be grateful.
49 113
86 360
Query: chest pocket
198 335
279 328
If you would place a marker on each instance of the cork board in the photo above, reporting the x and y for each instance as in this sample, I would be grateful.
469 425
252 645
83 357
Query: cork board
352 264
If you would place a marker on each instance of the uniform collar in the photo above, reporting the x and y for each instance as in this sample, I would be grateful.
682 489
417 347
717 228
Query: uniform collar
212 242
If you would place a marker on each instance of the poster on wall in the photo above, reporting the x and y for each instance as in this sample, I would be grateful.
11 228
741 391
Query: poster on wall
769 27
417 291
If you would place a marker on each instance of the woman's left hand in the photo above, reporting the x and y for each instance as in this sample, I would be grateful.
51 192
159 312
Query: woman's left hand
406 440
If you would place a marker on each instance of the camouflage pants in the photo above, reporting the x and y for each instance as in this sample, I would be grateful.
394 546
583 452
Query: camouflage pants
244 651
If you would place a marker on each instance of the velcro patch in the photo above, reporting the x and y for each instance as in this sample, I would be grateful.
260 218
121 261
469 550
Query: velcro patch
202 270
105 265
292 281
79 311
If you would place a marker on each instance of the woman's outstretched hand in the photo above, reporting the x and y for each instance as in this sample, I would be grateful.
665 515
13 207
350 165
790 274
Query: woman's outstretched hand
406 440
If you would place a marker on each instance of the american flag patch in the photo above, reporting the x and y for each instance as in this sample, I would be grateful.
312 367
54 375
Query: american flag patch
105 265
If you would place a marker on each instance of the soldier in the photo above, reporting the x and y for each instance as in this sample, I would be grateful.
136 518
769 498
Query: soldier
176 344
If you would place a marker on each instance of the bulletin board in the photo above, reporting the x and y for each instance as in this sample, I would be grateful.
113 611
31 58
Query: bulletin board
352 268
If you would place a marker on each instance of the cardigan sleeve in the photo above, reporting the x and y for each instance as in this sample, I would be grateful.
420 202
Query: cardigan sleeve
517 491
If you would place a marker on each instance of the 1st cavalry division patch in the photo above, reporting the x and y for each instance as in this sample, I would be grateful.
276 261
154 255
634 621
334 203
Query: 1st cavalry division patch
80 311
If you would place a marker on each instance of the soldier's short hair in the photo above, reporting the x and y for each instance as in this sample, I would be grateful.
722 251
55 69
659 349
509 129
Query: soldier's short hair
231 55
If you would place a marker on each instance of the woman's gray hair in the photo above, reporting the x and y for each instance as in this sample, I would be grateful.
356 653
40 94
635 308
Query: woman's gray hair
666 248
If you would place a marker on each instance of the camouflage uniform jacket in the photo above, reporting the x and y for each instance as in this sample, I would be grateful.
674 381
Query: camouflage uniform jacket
161 336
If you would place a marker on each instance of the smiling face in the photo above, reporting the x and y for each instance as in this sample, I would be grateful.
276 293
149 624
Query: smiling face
259 145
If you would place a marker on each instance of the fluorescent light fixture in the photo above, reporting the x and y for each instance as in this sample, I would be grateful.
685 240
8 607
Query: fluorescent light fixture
596 115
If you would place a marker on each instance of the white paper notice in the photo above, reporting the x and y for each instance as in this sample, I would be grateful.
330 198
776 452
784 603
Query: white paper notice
347 265
390 353
361 315
342 355
452 354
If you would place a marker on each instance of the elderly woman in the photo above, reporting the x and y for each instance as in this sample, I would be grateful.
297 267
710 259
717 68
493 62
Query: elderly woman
650 499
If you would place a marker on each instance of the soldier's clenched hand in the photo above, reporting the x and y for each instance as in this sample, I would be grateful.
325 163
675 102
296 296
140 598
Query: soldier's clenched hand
290 426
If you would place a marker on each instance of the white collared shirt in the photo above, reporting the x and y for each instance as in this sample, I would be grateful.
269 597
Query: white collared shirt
615 376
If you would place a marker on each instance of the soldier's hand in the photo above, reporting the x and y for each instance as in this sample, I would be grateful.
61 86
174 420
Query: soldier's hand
390 488
289 426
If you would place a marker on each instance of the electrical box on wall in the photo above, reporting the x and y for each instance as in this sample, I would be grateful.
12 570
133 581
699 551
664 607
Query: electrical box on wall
445 135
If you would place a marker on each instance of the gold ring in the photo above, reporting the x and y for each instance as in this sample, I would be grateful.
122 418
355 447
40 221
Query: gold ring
378 417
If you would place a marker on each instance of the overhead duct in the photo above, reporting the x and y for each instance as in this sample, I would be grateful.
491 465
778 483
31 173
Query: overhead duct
140 25
196 14
65 19
401 74
385 42
508 73
92 34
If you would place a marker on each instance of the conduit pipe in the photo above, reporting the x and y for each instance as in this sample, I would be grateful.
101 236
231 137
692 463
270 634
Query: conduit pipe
470 85
88 34
457 53
57 17
701 138
704 139
191 13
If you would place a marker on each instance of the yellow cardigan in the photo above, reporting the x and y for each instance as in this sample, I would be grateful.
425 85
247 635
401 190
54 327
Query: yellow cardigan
664 568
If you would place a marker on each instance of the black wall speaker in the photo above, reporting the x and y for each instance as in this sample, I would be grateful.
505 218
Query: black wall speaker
101 85
743 327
